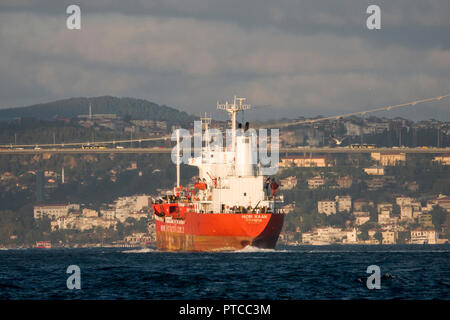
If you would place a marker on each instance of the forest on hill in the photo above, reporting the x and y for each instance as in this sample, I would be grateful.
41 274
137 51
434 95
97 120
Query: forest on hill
123 107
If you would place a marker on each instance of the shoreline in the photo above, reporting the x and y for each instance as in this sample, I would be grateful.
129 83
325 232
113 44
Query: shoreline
91 246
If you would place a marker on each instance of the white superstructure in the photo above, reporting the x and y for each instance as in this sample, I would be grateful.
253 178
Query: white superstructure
232 174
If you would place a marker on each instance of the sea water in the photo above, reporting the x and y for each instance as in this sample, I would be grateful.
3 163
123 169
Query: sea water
288 272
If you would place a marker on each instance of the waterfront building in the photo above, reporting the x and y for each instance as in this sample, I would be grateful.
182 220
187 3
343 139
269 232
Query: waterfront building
423 236
349 236
389 237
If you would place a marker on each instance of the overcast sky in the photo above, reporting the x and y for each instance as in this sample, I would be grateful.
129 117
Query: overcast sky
288 57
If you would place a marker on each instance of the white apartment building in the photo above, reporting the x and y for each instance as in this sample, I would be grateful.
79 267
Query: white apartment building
326 206
422 236
329 234
307 237
125 207
344 203
108 213
384 207
302 161
138 238
442 200
323 236
54 211
384 217
389 237
288 183
316 182
443 159
90 213
406 213
404 201
81 223
133 203
374 171
349 236
122 215
389 159
361 217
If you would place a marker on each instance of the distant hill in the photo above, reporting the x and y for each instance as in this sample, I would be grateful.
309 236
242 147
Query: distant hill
69 108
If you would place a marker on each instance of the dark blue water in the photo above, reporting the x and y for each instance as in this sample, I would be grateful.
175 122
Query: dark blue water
305 272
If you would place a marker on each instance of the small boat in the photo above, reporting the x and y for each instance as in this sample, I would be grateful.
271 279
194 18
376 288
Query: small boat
43 244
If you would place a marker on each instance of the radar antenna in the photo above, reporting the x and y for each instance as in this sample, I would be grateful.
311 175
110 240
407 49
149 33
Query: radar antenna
233 109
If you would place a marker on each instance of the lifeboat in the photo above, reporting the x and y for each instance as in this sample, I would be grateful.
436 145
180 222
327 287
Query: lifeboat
200 185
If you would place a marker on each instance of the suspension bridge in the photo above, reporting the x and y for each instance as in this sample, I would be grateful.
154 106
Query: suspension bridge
117 146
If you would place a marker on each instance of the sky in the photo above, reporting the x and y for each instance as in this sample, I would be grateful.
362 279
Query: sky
289 58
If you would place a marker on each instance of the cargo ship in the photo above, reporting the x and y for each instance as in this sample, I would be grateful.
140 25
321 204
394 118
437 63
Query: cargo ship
231 206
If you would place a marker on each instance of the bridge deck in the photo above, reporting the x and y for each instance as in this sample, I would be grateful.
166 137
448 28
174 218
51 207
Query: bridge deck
282 150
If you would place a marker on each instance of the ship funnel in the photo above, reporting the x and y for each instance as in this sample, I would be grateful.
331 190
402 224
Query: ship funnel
245 156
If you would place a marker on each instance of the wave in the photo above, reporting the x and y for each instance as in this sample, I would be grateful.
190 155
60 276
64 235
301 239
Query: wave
252 249
372 251
143 250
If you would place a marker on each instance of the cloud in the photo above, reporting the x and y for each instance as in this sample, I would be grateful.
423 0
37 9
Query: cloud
297 57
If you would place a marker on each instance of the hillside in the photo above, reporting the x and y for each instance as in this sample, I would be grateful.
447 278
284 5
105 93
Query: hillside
68 108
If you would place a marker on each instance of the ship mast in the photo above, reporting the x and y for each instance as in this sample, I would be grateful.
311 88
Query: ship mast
206 121
178 158
233 109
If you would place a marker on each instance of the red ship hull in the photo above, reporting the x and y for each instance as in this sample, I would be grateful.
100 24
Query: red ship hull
191 231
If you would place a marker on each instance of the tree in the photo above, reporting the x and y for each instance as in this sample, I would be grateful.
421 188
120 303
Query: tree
447 222
438 216
403 237
395 210
378 236
363 236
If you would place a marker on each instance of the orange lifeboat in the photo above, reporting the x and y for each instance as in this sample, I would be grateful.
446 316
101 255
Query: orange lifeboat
200 185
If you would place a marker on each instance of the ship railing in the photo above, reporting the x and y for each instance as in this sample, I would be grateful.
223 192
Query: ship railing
222 187
279 198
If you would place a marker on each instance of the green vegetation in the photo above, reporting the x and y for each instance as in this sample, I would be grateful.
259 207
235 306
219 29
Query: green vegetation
123 107
33 131
439 217
19 227
92 179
